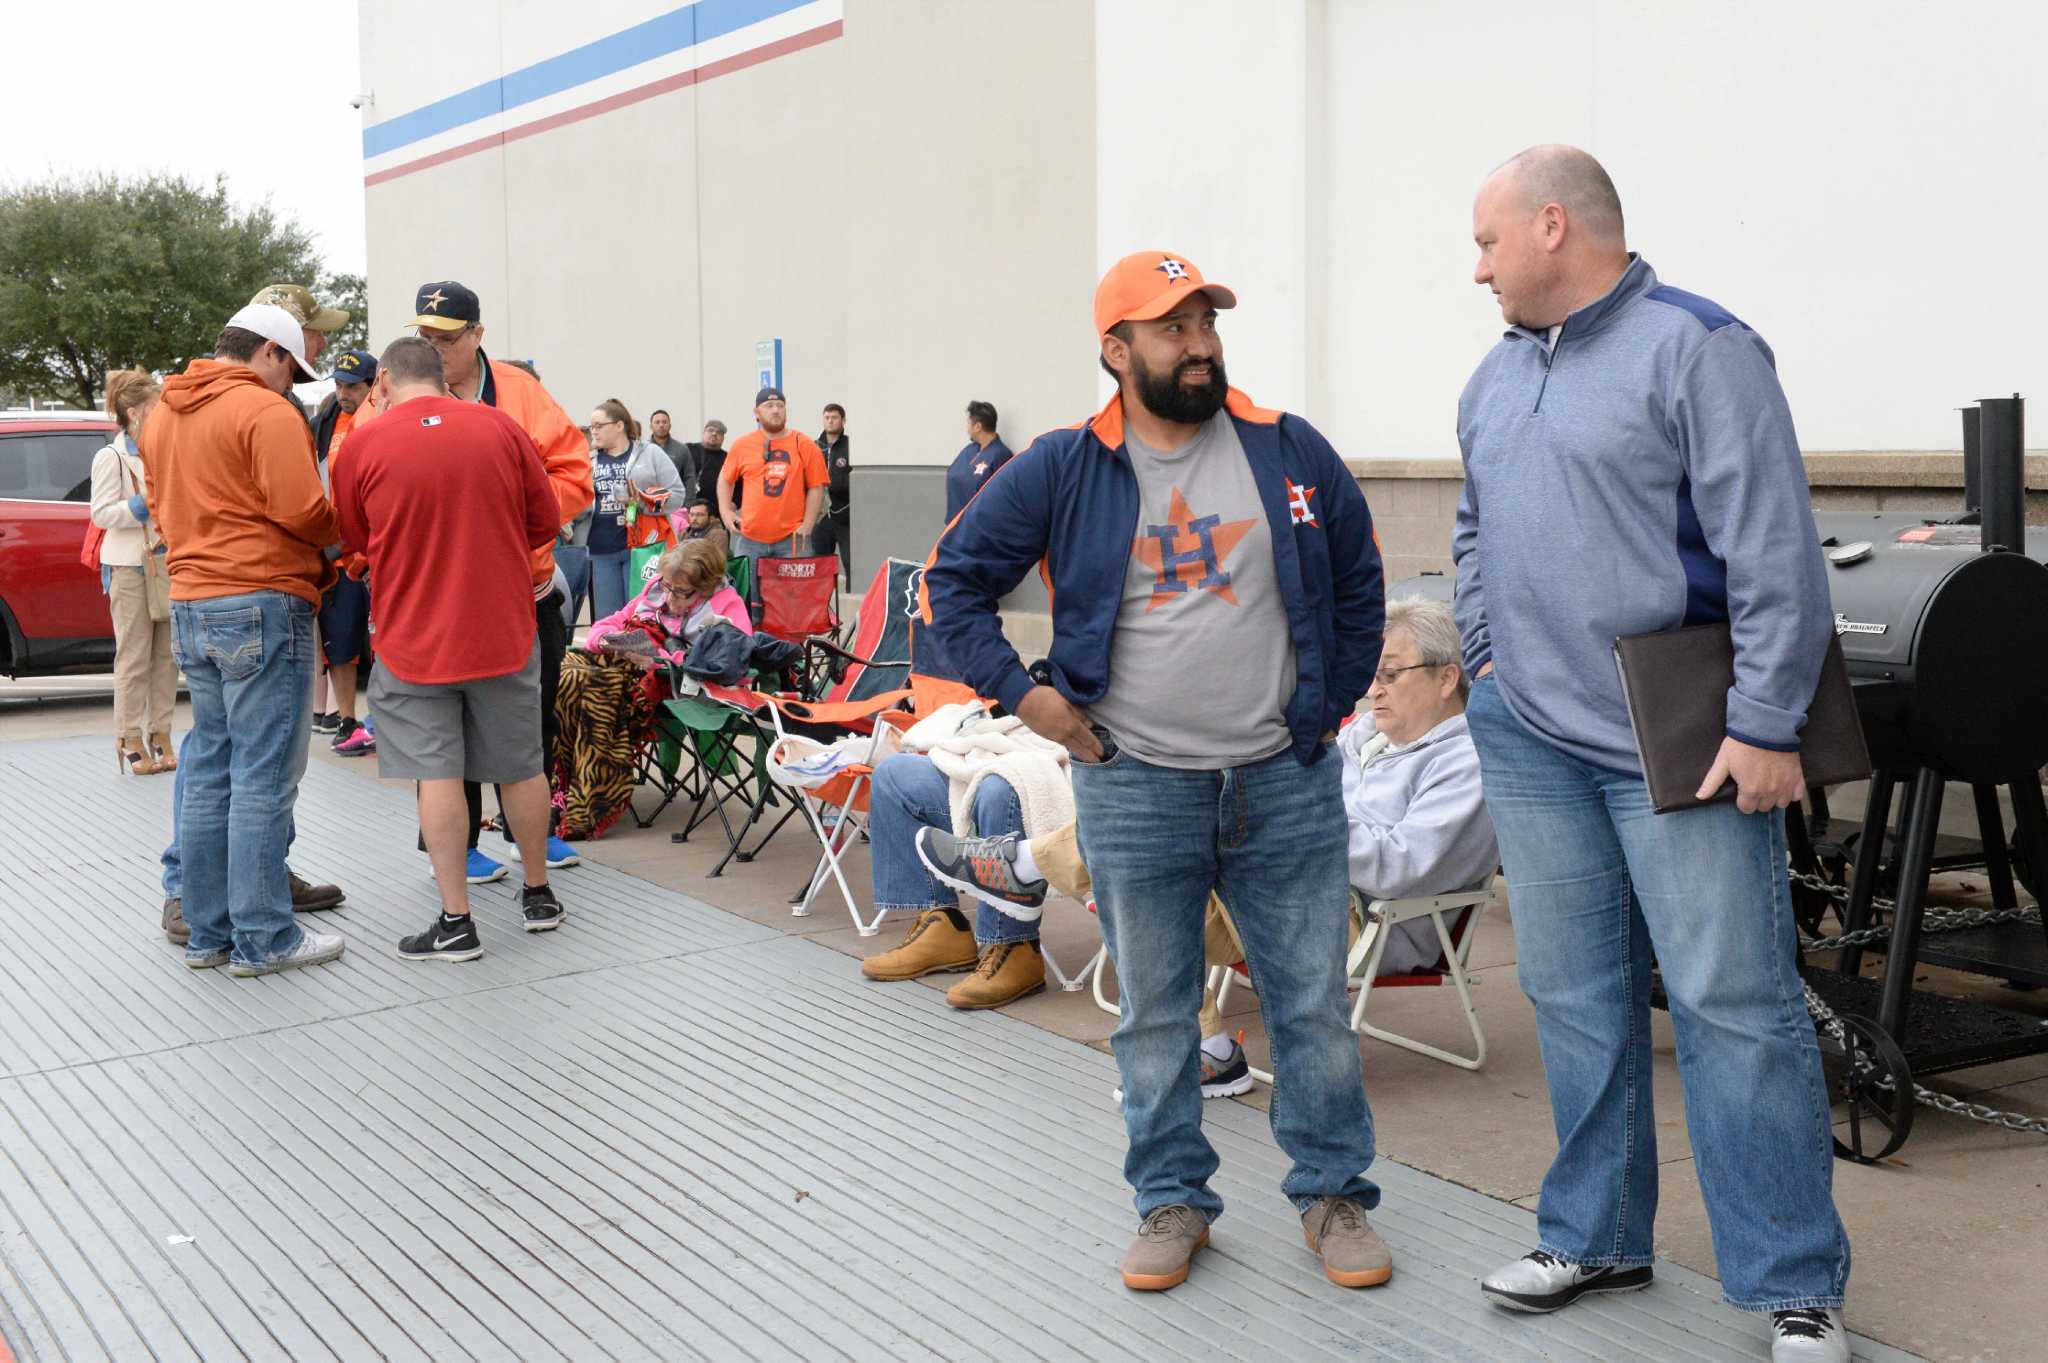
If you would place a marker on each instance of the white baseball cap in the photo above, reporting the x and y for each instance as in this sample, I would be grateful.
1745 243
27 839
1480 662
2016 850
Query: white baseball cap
273 323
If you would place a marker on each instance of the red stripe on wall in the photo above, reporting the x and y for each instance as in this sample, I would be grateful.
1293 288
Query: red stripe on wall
695 76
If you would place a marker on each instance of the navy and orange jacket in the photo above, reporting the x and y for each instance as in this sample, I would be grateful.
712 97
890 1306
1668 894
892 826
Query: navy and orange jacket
1070 503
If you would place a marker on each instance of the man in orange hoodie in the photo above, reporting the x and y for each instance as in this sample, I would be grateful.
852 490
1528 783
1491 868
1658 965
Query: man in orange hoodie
233 486
449 315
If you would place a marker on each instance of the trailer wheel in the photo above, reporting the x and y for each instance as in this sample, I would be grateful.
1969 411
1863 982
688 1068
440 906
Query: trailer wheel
1880 1113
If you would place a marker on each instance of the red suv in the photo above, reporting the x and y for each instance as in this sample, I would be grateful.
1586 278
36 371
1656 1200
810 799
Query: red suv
53 616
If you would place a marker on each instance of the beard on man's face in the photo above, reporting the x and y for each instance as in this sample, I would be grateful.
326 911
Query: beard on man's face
1167 398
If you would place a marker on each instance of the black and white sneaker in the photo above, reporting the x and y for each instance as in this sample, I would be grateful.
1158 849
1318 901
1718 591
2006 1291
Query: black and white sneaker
544 912
449 939
1539 1281
1809 1336
327 723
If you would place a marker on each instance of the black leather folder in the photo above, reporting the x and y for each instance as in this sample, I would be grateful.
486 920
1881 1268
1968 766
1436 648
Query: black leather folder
1676 685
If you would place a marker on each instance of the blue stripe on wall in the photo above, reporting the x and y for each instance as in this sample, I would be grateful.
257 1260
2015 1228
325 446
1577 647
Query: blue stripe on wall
657 37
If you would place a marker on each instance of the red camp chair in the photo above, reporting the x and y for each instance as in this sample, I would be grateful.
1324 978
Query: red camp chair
798 601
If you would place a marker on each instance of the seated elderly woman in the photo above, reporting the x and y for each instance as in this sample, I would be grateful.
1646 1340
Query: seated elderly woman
612 687
1411 791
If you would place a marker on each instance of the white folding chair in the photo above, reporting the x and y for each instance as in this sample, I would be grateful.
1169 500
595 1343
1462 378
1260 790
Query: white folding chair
837 812
1364 962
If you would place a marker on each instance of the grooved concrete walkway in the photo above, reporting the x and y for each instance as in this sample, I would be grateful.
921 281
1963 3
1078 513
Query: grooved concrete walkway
661 1133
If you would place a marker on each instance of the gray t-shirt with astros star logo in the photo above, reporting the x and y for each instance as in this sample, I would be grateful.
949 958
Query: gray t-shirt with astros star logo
1202 665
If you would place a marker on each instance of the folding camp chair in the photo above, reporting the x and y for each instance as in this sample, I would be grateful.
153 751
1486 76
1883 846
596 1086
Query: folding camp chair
797 599
731 730
1362 965
1452 967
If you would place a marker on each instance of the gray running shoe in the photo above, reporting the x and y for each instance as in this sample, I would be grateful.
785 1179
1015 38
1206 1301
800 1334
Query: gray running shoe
1167 1242
983 867
314 948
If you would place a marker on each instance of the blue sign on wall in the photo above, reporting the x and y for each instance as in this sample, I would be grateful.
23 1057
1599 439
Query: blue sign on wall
768 363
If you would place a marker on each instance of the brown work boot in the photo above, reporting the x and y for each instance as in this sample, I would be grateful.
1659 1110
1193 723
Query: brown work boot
174 920
1008 971
1167 1242
1353 1253
310 898
932 944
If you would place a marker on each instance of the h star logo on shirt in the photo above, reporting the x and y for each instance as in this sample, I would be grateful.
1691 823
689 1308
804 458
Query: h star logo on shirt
1188 551
1297 504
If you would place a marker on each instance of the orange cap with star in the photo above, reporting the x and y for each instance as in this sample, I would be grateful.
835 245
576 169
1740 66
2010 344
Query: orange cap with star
1149 284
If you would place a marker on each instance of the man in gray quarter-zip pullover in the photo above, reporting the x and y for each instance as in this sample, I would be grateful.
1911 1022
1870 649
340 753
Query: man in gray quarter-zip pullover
1630 466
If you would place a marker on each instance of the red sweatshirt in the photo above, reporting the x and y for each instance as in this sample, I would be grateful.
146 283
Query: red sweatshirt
447 499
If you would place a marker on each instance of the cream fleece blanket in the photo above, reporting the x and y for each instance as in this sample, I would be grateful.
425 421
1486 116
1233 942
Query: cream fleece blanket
968 747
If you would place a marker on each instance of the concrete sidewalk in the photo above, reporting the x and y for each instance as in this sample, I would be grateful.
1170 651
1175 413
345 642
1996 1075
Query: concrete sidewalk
663 1132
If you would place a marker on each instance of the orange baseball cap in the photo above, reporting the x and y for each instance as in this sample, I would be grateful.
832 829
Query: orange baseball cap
1149 284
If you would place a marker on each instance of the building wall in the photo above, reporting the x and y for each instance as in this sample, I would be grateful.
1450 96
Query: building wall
907 203
919 203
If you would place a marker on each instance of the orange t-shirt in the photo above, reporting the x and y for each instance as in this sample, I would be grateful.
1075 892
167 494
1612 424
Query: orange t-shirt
776 477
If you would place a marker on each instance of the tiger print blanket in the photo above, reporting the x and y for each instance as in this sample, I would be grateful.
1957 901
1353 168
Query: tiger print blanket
604 712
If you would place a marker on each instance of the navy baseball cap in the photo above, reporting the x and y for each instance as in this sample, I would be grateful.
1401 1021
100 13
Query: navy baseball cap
445 306
355 366
769 395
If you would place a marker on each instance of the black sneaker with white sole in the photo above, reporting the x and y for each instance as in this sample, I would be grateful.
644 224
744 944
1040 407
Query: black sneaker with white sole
449 939
1540 1281
544 912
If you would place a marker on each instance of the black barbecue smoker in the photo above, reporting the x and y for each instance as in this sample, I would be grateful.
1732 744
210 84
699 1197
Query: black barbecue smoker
1943 621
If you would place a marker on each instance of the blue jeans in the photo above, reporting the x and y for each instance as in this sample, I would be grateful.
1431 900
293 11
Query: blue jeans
1598 882
248 664
1270 837
910 793
609 591
794 546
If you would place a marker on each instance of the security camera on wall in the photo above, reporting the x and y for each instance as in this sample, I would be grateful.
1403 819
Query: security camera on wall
367 97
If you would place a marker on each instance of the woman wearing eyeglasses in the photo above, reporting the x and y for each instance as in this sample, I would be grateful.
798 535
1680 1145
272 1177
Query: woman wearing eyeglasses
609 691
634 482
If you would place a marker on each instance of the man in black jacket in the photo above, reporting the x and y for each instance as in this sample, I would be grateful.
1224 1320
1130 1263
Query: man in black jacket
832 533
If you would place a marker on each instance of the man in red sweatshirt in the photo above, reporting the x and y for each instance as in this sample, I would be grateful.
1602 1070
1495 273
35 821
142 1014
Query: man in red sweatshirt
233 487
434 481
449 315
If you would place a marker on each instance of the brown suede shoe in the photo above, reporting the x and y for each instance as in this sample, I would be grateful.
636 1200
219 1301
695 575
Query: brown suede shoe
932 944
1008 971
1166 1244
1353 1253
174 921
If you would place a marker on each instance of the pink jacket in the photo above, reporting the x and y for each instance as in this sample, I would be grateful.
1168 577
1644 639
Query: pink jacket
725 604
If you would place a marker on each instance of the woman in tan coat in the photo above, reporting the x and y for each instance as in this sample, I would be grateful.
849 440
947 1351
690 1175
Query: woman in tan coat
145 674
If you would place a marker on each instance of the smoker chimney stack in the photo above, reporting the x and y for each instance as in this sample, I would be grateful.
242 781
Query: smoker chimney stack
2002 472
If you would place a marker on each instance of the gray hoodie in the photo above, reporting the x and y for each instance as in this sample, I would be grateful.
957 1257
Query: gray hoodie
1418 825
1639 473
648 469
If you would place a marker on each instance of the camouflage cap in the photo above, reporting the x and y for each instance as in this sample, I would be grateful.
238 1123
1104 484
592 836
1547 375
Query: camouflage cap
298 300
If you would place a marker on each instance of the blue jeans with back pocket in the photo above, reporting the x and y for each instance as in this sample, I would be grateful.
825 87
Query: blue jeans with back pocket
1600 885
249 665
1270 836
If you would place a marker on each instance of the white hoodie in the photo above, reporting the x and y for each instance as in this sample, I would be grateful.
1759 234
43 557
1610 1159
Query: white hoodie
1418 825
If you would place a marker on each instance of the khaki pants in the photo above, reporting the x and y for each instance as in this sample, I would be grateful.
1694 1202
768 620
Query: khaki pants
145 673
1059 858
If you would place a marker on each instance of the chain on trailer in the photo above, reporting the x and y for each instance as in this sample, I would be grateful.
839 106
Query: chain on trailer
1874 1058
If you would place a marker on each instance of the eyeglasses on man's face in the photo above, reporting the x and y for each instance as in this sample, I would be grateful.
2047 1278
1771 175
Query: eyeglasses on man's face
1387 676
442 340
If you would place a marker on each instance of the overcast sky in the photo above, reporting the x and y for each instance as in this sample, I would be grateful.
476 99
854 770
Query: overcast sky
257 92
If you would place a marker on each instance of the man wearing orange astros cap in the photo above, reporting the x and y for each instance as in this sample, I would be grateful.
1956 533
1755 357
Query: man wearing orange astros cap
1216 612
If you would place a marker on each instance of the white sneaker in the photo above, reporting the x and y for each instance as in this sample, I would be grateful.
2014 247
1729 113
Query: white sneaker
314 948
1540 1281
1810 1336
